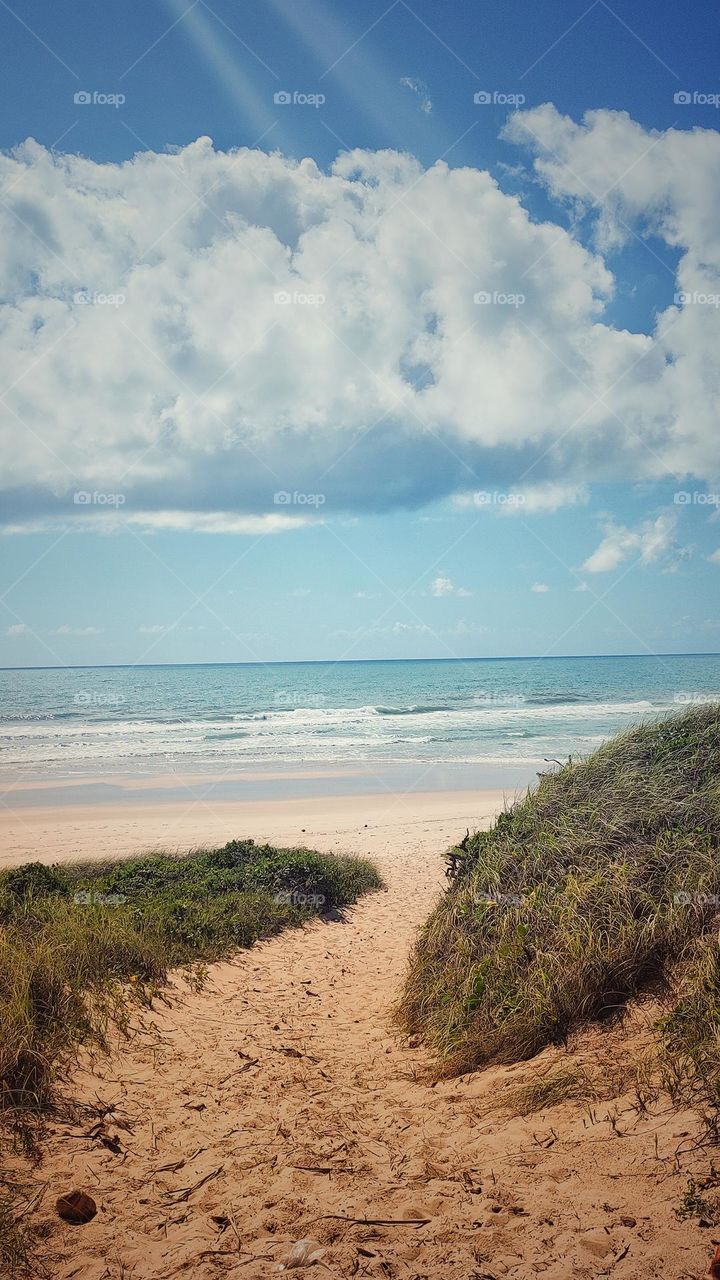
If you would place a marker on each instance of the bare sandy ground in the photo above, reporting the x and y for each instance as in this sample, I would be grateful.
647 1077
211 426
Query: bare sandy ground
62 832
276 1105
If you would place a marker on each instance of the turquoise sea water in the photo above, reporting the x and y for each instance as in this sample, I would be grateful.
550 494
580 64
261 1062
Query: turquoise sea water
79 722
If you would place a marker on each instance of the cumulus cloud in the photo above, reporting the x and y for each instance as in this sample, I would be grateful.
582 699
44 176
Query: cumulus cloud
444 586
640 182
652 541
17 629
540 588
406 628
199 330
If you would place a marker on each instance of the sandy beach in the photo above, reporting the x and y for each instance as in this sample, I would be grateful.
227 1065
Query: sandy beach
276 1104
61 832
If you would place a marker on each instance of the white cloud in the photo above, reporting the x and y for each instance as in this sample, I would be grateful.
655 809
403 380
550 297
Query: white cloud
420 89
147 355
639 182
220 522
462 629
214 522
66 630
152 629
540 588
651 542
715 556
405 628
444 586
526 500
17 629
548 498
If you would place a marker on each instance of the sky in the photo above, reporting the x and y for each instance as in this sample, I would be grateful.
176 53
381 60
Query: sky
358 331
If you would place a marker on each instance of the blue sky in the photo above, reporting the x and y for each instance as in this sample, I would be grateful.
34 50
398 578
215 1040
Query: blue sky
488 403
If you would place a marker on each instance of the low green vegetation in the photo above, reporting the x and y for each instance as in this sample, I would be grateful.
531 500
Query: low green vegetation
601 884
79 944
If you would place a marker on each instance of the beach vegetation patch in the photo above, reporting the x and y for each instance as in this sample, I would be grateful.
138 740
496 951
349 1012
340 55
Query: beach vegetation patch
601 885
81 944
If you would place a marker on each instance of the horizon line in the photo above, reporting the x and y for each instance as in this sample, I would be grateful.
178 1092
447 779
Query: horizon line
303 662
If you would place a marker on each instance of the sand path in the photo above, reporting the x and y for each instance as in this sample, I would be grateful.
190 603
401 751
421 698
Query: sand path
276 1104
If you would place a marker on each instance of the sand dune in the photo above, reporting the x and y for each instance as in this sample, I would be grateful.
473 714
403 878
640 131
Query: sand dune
275 1105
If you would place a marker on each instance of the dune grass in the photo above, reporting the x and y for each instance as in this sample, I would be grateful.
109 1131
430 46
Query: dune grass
601 884
550 1090
80 944
15 1247
691 1031
18 1238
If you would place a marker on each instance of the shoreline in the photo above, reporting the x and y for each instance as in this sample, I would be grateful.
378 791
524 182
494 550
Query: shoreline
259 780
65 832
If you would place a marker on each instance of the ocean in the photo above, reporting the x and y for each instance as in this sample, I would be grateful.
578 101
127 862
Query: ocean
501 713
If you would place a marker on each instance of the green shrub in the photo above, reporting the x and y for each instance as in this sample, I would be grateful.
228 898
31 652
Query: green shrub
35 880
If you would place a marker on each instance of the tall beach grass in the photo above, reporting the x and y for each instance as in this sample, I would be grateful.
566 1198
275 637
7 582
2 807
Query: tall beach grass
600 885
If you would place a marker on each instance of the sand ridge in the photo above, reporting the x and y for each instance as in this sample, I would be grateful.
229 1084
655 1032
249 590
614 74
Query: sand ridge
276 1104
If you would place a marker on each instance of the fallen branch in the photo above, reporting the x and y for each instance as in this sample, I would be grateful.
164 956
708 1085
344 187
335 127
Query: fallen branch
376 1222
175 1165
177 1197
